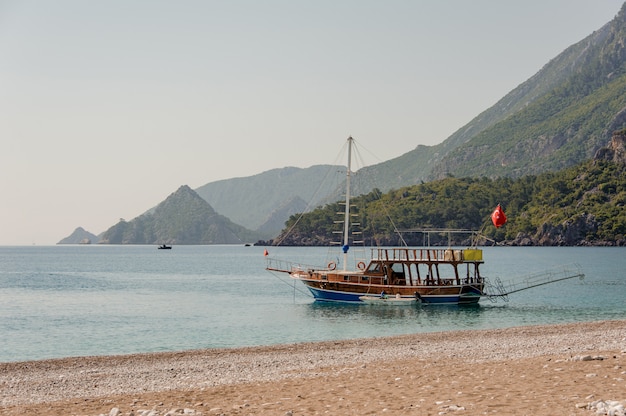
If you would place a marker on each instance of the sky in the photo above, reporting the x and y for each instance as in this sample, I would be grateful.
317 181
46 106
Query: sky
108 107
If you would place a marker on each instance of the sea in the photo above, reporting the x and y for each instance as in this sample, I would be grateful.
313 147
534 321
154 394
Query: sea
94 300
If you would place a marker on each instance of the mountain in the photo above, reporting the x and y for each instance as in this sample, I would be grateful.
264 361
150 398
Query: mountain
255 201
183 218
276 220
557 118
80 236
572 107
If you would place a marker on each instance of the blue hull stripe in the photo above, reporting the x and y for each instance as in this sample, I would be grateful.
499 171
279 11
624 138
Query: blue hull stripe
336 296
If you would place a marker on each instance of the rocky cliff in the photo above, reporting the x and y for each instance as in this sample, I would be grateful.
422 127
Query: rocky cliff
574 231
616 150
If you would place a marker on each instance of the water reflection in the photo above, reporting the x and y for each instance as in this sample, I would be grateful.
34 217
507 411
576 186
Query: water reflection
401 319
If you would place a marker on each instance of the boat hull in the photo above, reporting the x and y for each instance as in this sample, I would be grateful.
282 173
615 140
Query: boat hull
449 295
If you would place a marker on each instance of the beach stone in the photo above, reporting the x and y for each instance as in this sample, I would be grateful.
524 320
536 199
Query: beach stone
455 408
608 407
587 358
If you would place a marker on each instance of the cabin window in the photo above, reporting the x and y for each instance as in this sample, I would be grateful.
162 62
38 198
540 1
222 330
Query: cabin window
365 278
374 267
397 271
398 268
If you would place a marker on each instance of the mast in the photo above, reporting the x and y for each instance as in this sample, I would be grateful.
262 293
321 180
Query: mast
346 214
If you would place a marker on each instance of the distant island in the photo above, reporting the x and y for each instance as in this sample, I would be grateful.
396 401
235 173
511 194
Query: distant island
80 236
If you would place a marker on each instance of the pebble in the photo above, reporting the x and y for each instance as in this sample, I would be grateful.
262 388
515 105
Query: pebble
587 358
608 407
153 412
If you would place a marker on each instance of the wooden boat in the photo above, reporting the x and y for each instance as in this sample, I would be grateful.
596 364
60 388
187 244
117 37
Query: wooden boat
430 275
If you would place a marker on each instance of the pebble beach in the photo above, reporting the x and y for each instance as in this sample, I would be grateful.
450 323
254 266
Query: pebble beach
569 369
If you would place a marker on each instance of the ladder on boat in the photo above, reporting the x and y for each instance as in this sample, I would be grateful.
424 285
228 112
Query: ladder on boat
496 289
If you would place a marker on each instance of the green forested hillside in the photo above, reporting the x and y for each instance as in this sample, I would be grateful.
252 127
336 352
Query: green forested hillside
584 204
559 130
557 118
565 125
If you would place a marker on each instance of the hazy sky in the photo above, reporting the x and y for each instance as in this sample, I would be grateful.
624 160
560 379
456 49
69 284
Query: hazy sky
107 107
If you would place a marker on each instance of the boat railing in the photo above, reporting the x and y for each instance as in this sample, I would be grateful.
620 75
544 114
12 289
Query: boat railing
503 289
278 265
426 254
285 266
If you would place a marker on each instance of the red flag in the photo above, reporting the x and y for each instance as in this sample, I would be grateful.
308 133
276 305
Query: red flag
497 217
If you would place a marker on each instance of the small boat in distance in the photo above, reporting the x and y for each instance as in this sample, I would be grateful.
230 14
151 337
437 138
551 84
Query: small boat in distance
164 247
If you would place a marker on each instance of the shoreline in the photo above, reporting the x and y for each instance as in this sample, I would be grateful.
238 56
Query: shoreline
271 380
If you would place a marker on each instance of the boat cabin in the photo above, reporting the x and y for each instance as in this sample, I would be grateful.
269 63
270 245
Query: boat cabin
416 267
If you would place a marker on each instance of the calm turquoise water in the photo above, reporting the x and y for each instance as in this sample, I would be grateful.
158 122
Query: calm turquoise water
62 301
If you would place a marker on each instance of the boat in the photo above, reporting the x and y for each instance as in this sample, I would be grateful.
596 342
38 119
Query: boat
409 275
164 247
432 275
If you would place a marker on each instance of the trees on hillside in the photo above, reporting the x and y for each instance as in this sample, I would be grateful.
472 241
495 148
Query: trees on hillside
590 197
